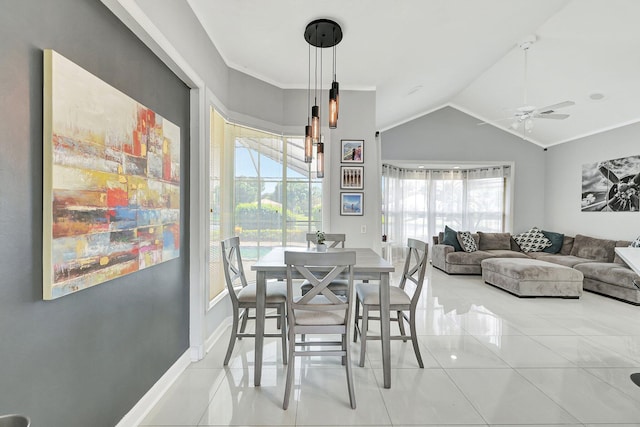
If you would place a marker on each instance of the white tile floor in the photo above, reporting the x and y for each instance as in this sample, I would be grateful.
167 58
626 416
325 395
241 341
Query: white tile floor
490 359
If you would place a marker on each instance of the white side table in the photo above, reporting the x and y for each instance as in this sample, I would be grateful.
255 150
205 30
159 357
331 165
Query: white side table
631 256
387 251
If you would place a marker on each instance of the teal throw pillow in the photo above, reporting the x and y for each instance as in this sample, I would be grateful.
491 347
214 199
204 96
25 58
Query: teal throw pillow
451 238
556 241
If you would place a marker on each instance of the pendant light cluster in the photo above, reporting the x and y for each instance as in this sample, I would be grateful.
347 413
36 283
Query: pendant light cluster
321 33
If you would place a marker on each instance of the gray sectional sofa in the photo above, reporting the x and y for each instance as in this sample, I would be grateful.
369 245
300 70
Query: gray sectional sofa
604 272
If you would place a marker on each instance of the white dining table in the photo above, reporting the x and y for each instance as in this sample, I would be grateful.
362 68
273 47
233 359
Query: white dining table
369 266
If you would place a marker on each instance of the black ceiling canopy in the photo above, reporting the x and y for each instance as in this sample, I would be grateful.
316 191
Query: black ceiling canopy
323 33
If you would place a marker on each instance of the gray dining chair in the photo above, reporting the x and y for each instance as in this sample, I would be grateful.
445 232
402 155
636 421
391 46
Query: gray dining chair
368 295
243 298
333 241
320 311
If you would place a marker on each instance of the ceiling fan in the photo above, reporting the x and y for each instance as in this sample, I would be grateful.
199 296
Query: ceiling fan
523 117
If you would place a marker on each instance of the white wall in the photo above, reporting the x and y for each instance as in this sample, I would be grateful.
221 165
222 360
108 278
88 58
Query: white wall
357 121
563 185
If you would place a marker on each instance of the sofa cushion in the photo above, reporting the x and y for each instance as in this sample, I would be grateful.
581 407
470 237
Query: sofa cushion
600 250
635 243
567 245
467 258
503 253
609 272
556 241
490 241
532 240
467 241
567 260
514 245
531 269
451 238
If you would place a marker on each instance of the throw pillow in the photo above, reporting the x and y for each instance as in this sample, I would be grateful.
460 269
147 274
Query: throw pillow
451 238
556 241
532 240
489 241
467 241
635 243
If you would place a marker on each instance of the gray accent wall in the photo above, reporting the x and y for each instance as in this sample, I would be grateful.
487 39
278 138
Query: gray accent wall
564 185
449 135
84 359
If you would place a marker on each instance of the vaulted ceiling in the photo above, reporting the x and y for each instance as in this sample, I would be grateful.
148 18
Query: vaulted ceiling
420 55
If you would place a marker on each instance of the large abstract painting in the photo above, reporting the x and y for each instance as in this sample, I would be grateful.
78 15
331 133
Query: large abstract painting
111 194
611 185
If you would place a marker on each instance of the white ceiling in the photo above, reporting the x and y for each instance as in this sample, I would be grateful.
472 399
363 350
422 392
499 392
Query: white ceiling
462 53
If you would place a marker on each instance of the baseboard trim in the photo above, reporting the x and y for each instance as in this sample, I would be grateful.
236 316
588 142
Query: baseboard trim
135 416
141 409
215 335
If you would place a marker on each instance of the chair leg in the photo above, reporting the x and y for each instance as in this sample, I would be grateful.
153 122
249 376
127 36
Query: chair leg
344 348
355 323
282 321
232 339
352 393
363 333
414 338
278 322
290 368
245 317
400 317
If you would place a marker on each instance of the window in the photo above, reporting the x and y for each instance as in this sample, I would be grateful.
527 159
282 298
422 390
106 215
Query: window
261 190
218 201
419 203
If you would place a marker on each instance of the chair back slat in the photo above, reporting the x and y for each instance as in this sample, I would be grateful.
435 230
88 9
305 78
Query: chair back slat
319 269
232 263
415 267
332 240
320 285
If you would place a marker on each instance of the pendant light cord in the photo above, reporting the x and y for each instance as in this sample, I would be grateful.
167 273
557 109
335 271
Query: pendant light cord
315 69
320 78
309 86
334 55
526 50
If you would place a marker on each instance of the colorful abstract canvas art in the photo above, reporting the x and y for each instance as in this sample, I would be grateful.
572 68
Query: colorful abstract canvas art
111 194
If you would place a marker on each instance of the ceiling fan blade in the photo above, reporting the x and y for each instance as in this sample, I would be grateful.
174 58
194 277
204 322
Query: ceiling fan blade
553 107
551 116
495 120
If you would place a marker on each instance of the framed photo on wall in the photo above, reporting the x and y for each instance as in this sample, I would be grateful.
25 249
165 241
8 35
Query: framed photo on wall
352 204
352 151
352 177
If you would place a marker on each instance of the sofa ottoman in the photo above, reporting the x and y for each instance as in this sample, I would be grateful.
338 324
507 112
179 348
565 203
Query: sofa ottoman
532 278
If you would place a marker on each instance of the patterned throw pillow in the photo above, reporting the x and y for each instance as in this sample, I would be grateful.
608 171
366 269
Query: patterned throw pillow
532 240
635 243
466 241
